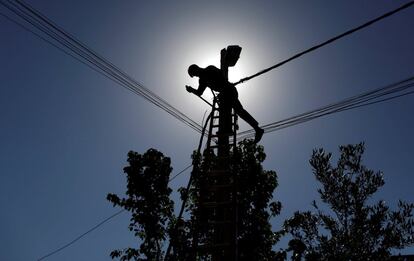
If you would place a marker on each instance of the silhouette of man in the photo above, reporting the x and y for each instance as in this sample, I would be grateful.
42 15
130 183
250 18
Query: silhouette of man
213 78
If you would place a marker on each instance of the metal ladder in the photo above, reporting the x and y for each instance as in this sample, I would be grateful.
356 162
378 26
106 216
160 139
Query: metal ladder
217 196
213 134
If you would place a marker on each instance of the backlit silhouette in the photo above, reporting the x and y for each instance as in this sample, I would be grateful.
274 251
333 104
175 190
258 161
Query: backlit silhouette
213 78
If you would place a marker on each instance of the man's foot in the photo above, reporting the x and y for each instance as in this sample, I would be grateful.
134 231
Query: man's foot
259 135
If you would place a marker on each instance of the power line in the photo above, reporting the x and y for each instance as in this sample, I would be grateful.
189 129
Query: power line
389 92
327 110
70 45
50 42
329 41
114 73
179 173
190 180
101 223
82 235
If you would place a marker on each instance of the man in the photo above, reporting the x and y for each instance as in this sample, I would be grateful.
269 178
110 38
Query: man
213 78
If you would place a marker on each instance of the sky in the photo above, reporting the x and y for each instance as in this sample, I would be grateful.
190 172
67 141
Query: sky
66 130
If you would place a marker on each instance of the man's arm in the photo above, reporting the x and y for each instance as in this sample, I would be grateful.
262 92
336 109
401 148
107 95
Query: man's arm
198 91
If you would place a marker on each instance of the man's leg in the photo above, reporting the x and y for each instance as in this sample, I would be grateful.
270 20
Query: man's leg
238 108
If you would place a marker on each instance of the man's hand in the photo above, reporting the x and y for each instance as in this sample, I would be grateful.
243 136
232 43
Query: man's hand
189 89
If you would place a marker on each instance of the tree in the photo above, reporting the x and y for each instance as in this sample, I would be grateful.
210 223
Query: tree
254 197
256 205
149 203
354 229
152 210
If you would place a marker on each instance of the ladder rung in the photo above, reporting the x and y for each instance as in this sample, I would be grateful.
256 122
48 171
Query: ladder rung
218 116
217 125
224 135
216 146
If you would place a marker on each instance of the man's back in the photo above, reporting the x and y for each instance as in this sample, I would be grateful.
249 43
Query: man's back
212 77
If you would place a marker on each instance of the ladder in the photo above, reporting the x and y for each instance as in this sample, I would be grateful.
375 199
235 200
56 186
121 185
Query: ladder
213 132
218 202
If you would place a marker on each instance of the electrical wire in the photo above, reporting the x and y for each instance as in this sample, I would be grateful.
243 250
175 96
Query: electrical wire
100 223
47 26
389 92
72 46
190 180
297 120
351 31
179 173
82 235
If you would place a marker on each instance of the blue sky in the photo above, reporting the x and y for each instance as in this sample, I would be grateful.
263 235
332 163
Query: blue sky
66 130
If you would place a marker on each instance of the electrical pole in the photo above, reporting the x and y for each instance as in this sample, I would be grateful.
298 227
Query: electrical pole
215 234
225 217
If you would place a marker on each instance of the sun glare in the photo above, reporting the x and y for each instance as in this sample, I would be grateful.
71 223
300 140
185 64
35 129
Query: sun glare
236 73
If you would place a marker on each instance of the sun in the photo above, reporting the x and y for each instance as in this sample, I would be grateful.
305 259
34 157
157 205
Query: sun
236 73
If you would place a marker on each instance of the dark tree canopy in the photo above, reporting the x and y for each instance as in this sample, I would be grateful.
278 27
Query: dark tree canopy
353 229
255 205
349 228
147 199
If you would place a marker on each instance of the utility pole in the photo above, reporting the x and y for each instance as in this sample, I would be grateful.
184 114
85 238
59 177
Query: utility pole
215 233
225 110
224 184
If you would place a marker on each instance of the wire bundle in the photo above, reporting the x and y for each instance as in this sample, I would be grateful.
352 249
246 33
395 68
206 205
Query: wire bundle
389 92
49 31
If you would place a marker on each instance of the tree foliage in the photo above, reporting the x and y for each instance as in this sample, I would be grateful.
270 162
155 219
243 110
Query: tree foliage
147 199
255 203
353 229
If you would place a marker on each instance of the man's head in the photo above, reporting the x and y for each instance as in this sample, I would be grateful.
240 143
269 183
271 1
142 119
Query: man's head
194 70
